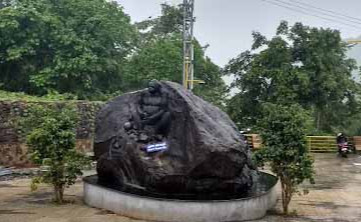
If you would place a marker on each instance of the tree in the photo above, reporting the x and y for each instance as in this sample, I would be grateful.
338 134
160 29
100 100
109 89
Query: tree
170 22
302 65
214 90
68 46
159 56
157 59
283 132
51 140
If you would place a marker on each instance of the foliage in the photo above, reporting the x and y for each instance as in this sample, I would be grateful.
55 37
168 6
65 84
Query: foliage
214 90
159 56
51 140
11 96
302 65
169 23
160 59
68 46
352 125
283 132
89 49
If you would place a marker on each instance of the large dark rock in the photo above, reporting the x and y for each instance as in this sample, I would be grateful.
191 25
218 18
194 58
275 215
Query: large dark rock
205 152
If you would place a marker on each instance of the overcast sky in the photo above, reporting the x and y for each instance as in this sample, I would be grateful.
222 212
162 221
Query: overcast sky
227 24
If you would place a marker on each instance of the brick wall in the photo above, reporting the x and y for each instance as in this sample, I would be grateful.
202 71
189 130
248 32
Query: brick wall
13 151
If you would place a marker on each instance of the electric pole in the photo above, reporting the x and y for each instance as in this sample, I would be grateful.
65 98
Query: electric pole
188 52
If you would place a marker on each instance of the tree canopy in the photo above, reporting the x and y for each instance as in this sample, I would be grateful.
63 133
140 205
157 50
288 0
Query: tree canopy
90 49
68 46
159 56
300 64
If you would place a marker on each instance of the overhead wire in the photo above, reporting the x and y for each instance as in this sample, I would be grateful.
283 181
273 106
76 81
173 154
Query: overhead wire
326 10
289 7
329 14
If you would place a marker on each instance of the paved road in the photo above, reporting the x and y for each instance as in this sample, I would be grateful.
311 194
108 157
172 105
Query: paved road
336 197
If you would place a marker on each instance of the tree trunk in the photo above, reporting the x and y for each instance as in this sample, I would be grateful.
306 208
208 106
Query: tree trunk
318 120
287 192
59 193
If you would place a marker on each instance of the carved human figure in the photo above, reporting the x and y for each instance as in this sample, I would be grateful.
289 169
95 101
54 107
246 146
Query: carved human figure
153 109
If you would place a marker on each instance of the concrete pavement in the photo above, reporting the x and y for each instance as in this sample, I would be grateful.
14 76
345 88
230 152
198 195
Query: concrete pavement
336 197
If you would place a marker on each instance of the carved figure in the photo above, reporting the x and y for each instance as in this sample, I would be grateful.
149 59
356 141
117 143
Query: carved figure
153 109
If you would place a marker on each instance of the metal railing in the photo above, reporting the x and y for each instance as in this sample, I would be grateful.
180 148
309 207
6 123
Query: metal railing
320 144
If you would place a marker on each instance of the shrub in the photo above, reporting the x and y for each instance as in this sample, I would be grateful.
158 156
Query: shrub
51 139
283 132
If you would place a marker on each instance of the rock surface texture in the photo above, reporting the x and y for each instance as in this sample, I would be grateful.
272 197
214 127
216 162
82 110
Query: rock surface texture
201 148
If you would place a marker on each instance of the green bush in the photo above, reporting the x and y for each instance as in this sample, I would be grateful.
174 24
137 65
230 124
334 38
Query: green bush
51 139
283 131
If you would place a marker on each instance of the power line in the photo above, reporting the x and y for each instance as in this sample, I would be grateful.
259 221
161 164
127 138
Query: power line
311 14
307 12
321 9
318 10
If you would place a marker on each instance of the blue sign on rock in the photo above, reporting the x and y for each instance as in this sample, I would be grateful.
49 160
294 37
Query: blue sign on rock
156 147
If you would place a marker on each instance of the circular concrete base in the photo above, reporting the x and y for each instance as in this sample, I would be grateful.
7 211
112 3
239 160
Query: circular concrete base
156 209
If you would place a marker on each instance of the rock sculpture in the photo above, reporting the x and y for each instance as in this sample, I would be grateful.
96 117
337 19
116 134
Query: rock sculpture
165 139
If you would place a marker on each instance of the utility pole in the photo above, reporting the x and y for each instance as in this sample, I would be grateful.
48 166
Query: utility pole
188 50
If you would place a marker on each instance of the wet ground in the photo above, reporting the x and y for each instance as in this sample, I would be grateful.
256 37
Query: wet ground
336 197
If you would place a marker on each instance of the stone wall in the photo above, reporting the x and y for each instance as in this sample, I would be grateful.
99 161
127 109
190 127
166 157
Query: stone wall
13 151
